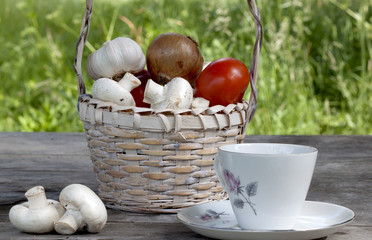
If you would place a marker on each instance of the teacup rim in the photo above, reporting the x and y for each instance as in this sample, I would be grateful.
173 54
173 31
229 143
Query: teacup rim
312 150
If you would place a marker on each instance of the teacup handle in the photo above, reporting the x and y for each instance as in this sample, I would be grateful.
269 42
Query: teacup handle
218 170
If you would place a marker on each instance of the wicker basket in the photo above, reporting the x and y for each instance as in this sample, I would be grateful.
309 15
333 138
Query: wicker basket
159 161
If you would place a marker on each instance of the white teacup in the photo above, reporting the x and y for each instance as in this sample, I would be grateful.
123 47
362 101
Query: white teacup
267 183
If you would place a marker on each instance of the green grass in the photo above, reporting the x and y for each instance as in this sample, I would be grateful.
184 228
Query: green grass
315 74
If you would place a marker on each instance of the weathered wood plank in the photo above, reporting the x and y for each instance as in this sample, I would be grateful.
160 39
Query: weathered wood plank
52 160
53 181
44 162
328 145
44 143
157 230
112 230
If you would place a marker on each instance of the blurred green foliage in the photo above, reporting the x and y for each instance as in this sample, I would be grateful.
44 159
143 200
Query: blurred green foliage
315 74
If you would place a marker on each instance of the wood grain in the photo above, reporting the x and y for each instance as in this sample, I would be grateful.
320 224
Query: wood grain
343 175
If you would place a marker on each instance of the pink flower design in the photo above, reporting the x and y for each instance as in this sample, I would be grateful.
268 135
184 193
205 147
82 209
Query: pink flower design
206 217
234 186
232 182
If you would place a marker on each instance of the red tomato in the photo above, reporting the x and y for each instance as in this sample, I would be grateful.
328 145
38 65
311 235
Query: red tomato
223 81
139 91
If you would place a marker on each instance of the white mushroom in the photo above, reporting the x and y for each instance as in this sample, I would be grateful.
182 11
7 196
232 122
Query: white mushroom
84 210
176 94
38 215
117 92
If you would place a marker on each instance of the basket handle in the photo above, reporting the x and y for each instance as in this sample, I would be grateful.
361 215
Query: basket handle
80 47
255 58
253 71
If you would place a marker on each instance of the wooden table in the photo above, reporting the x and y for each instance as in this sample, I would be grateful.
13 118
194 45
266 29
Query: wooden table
343 175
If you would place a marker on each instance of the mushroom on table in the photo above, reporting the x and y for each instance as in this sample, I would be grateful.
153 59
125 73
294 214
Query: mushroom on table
38 215
84 210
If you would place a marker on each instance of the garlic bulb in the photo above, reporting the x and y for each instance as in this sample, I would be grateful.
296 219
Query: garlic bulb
115 58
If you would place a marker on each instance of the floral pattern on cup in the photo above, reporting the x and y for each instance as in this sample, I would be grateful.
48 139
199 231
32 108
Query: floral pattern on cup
246 193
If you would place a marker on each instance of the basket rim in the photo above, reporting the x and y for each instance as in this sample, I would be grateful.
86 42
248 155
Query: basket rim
218 117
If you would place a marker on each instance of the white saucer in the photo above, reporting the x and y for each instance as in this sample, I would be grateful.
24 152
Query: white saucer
217 220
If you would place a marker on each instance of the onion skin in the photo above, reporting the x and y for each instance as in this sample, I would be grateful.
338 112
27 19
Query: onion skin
173 55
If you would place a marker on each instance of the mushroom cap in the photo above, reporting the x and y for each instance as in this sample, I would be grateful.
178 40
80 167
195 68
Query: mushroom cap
80 198
111 91
176 94
35 220
179 95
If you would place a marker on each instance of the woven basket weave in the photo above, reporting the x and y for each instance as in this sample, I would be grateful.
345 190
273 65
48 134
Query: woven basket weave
160 161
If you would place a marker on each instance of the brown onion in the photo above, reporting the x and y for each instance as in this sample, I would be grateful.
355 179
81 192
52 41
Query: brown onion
173 55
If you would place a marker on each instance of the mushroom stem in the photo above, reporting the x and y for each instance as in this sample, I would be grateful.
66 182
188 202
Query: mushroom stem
36 198
154 92
69 223
129 82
